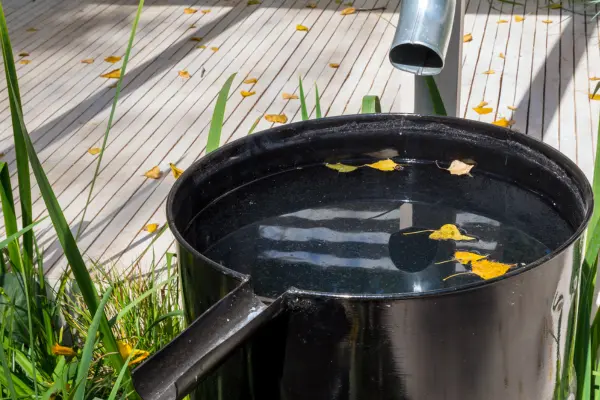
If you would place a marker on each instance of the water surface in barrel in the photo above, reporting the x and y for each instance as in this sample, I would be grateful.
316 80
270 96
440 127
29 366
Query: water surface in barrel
368 231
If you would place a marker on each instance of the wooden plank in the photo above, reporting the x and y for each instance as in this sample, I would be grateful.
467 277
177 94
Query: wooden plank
535 113
567 125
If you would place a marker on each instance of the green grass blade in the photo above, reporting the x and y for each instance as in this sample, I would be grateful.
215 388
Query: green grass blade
138 300
596 89
18 234
88 347
254 125
10 218
302 101
317 103
436 97
6 370
170 314
370 105
115 390
112 113
216 124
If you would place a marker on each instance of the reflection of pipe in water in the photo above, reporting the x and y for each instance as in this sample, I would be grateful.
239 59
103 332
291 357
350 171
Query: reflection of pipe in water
422 36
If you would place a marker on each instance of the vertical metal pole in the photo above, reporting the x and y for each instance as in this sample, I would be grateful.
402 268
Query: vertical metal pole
449 80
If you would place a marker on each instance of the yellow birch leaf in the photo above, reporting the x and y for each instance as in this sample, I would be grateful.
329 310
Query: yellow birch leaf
503 122
301 28
114 74
112 59
449 232
245 93
595 96
483 110
190 11
348 11
25 62
126 350
250 81
466 257
289 96
594 78
467 38
94 150
214 48
201 46
196 38
512 108
184 74
205 11
24 54
502 21
153 173
342 167
59 350
151 228
87 61
385 165
547 21
458 167
501 55
519 18
334 65
176 171
489 72
253 2
482 104
280 118
488 269
32 29
311 5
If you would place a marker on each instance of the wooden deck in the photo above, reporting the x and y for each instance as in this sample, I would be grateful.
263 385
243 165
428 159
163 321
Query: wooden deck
162 118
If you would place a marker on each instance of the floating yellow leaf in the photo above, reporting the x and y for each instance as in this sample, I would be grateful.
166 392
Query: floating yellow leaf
245 93
519 18
289 96
334 65
114 74
342 167
489 72
449 232
196 38
253 2
126 350
280 118
311 5
501 55
466 257
503 122
204 11
154 173
190 11
94 150
467 38
595 96
488 269
184 74
547 21
555 6
348 11
151 228
301 28
87 61
481 110
594 78
201 46
176 171
482 104
59 350
32 29
512 108
385 165
214 48
24 62
250 81
24 54
112 59
502 21
458 167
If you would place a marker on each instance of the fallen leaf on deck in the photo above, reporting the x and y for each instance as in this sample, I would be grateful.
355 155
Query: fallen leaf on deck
595 96
311 5
151 228
503 122
465 257
250 81
204 11
184 74
253 2
112 59
547 21
467 38
342 167
176 171
94 150
87 61
154 173
555 6
196 39
190 11
245 93
113 86
488 269
501 55
24 54
214 48
280 118
301 28
114 74
518 18
449 232
348 11
193 26
502 21
289 96
481 110
31 30
482 104
489 72
512 108
334 65
458 167
338 1
385 165
25 62
201 46
594 78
